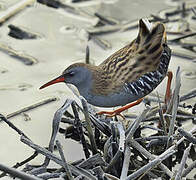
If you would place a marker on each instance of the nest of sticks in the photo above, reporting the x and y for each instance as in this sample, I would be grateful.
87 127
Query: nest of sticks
114 150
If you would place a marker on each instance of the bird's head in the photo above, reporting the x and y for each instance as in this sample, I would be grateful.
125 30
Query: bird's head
77 74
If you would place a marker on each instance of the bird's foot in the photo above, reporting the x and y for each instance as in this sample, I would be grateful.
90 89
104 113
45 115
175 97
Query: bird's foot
110 114
118 111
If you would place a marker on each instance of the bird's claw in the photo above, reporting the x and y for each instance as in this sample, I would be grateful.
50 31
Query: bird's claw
110 114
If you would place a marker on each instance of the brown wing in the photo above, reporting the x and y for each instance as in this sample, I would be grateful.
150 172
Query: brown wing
137 58
142 55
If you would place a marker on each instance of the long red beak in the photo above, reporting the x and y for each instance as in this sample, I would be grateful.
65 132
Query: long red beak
54 81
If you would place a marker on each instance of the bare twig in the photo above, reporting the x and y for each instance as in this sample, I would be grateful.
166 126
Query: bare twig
187 135
188 95
66 167
194 12
121 131
28 108
92 161
89 127
113 161
162 119
110 177
150 165
182 164
126 162
189 169
50 175
182 37
55 126
150 156
130 131
106 20
133 127
183 55
78 125
23 57
162 138
4 15
22 163
16 173
3 118
38 170
101 42
76 171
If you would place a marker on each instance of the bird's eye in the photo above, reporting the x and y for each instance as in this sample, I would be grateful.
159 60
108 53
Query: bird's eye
71 73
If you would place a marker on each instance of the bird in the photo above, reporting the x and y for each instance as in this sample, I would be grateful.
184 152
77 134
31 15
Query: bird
128 75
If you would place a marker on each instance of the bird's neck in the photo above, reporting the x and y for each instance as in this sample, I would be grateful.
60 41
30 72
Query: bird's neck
96 81
87 84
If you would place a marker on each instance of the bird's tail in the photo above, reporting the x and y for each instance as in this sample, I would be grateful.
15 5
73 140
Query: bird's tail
150 34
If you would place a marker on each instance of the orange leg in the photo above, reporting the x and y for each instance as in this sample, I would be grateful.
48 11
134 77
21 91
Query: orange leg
168 90
121 109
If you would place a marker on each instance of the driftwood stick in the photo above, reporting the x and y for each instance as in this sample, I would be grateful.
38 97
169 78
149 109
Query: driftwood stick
188 95
50 175
182 37
92 161
38 170
4 15
21 56
130 131
78 125
55 126
101 42
178 118
150 165
150 156
133 127
126 162
187 135
189 169
103 29
16 173
65 165
103 127
89 127
194 11
105 20
110 177
33 106
153 128
121 131
162 138
3 118
42 150
22 163
85 173
76 171
113 161
161 118
183 55
182 164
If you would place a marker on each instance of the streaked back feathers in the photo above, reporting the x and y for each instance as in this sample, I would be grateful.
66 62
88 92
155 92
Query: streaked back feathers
129 63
